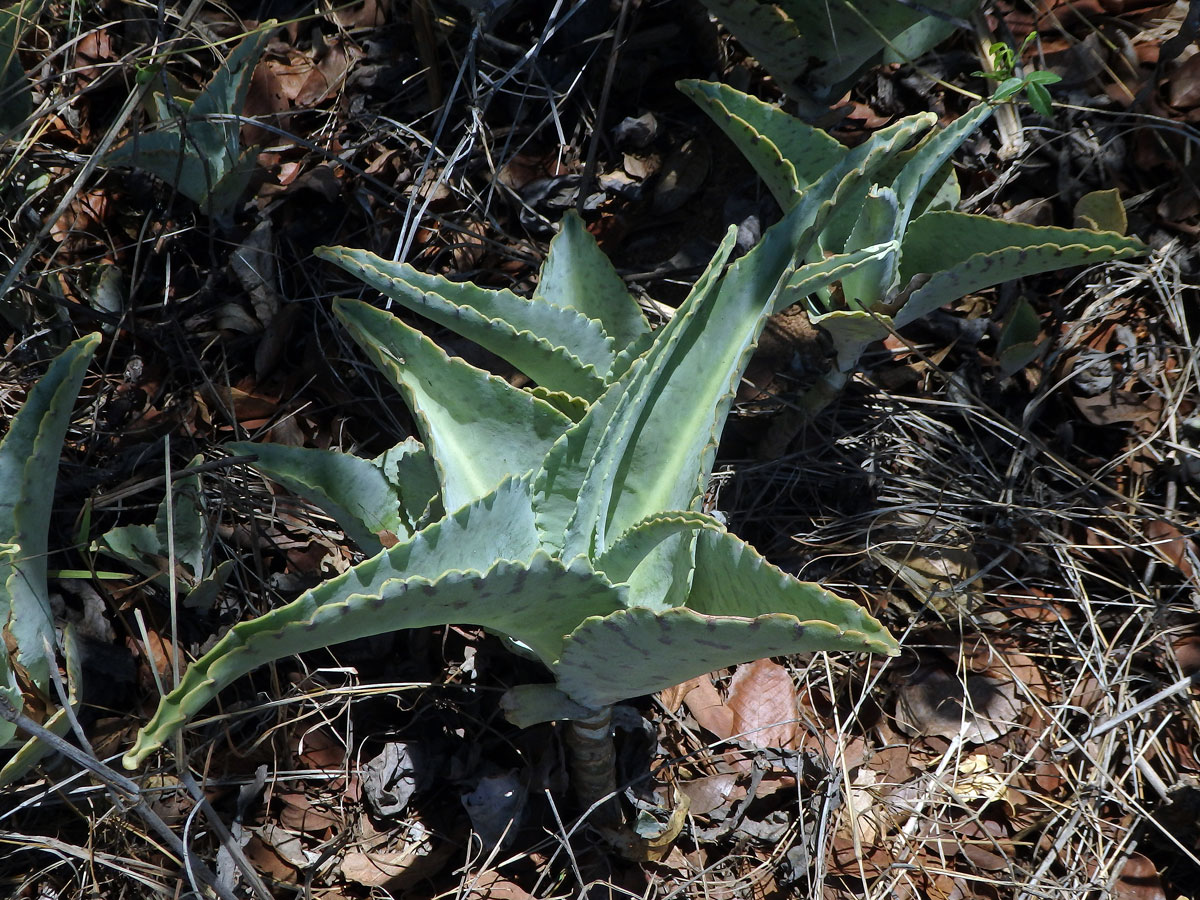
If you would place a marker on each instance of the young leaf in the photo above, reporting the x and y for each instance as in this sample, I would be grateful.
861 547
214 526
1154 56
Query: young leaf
577 275
472 449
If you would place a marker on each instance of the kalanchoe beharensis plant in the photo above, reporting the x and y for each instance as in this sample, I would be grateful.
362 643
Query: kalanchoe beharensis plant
565 517
934 255
29 455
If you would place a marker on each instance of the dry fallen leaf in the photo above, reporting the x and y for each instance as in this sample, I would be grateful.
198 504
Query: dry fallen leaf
762 700
935 702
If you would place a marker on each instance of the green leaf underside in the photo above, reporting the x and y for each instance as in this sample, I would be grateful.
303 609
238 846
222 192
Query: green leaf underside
577 275
352 490
29 458
478 566
936 242
478 428
812 277
528 334
526 705
413 477
741 608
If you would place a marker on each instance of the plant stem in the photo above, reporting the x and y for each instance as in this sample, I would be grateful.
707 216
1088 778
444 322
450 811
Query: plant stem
593 767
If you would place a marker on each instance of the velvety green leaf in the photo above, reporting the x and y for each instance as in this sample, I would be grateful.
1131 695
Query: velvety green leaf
558 348
29 457
938 241
577 275
477 566
787 153
351 490
478 428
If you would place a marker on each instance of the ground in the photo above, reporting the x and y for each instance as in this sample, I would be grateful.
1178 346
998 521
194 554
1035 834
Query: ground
1026 530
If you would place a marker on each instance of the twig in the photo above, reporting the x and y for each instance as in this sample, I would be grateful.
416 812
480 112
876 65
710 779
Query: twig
124 789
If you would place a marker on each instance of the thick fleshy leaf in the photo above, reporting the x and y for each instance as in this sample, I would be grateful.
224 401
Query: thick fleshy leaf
926 164
851 331
479 566
648 445
225 95
961 252
868 284
577 275
811 278
740 608
690 379
816 48
29 456
352 490
559 348
936 242
413 477
627 552
478 428
787 154
534 601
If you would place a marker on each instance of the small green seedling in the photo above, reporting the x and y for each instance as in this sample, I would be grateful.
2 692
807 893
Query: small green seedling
1004 67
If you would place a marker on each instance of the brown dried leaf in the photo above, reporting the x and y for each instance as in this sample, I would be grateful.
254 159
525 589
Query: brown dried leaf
708 709
762 701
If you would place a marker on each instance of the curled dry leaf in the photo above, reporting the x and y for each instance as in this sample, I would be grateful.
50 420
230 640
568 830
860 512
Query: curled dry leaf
936 702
